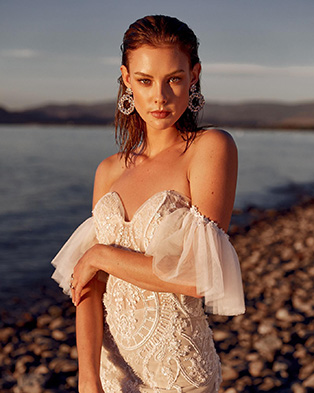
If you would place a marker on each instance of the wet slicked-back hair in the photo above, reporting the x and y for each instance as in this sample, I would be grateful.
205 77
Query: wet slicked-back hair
155 31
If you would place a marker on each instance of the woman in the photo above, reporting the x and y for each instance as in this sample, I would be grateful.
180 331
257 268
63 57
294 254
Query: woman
149 253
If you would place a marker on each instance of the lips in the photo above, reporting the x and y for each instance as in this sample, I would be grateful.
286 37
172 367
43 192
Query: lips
160 114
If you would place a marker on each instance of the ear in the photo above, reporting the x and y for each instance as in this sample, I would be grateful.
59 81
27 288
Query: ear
125 76
195 73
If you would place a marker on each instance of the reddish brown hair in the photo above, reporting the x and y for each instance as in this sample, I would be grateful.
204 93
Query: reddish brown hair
154 30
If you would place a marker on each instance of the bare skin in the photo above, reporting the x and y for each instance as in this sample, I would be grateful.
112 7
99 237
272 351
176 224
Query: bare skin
160 79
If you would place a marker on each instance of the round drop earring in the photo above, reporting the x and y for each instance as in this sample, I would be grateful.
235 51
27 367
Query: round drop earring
196 100
126 97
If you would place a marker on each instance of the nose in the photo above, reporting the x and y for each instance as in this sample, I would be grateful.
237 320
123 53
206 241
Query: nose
160 94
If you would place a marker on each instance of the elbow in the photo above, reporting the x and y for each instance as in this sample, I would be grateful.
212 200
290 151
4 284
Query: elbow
193 293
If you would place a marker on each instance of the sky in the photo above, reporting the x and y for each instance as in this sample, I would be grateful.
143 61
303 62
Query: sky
58 51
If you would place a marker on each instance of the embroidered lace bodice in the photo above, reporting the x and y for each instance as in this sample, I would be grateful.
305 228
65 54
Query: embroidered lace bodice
112 228
161 336
158 341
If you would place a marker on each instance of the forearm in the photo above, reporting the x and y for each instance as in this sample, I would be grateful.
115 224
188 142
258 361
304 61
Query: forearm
89 330
135 268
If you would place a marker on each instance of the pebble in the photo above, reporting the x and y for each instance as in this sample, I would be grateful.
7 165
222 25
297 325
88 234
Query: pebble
31 383
229 373
6 333
58 335
221 335
309 382
63 365
269 349
298 388
275 336
256 367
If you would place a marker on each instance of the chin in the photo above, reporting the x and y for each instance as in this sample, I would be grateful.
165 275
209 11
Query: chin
162 125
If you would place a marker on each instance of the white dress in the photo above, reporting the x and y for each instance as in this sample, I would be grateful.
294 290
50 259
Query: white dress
158 342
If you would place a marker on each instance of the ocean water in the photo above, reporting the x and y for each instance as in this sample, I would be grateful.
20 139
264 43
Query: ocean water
47 179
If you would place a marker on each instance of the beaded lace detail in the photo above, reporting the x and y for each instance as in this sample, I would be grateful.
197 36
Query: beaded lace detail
163 339
205 220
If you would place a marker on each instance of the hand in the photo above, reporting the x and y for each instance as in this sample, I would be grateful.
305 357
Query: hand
83 272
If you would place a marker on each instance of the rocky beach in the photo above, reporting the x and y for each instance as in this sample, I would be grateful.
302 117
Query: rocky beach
268 349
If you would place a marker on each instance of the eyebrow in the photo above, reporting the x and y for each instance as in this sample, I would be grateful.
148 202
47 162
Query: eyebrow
150 76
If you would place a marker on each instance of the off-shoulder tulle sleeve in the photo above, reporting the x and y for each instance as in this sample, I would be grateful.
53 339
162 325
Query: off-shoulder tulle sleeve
189 249
81 240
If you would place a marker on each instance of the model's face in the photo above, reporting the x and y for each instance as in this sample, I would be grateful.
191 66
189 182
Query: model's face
160 79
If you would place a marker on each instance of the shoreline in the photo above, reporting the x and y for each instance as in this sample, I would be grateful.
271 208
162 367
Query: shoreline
105 126
268 349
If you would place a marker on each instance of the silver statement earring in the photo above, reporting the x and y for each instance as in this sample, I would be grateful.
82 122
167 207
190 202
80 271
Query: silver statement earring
196 100
127 96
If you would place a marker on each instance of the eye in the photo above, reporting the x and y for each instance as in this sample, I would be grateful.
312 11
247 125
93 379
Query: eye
174 79
144 81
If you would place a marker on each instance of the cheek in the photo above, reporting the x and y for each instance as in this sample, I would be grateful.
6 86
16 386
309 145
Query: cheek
139 96
138 102
182 100
181 93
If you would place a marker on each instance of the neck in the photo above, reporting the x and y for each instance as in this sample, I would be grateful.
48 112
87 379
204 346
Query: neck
160 140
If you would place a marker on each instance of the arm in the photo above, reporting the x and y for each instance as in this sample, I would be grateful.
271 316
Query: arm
133 267
212 176
89 336
90 312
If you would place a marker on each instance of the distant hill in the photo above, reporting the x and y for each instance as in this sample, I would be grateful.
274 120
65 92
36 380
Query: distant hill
261 115
245 115
84 114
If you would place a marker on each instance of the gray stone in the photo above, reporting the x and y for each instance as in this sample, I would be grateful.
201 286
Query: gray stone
267 346
63 365
228 373
309 382
306 371
256 367
43 320
59 335
31 383
221 335
57 323
20 364
6 333
298 388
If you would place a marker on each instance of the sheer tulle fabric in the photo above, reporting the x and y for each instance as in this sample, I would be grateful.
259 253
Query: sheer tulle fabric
189 249
81 240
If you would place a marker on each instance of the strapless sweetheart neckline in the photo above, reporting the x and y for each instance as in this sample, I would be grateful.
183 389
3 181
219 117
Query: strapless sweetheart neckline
173 347
139 209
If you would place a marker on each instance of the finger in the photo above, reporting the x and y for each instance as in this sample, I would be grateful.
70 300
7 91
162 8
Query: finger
72 295
78 291
73 288
74 283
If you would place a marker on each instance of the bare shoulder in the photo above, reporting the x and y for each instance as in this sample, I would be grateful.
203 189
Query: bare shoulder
213 174
213 139
213 145
106 173
109 166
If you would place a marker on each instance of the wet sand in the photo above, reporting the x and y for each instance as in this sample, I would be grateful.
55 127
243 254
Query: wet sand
269 349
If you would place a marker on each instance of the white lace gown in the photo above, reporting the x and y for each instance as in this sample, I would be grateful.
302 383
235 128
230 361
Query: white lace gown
158 342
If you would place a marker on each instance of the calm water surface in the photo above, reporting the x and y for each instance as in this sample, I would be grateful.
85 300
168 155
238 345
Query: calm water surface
47 178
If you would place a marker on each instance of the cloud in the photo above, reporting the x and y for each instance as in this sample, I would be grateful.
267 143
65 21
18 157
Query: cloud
111 60
238 69
19 53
